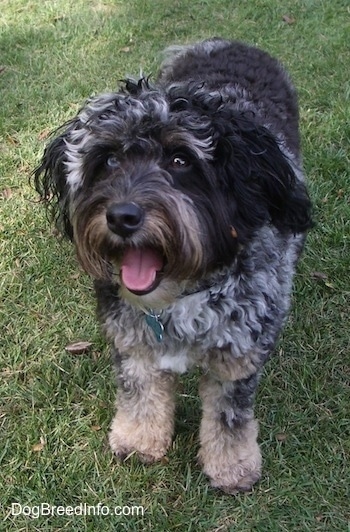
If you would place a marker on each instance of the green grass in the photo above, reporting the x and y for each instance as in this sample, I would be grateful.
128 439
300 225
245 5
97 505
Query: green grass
54 54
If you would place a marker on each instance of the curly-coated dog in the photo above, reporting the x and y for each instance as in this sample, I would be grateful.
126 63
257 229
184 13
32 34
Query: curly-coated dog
186 203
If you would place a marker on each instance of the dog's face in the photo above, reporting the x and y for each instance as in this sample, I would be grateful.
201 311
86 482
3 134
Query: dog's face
162 187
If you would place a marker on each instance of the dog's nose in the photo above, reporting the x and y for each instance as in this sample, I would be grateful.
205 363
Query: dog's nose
124 218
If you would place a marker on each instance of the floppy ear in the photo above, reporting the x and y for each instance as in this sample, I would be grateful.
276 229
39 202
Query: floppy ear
261 179
50 180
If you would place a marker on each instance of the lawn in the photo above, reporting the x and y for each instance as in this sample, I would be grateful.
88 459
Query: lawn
56 406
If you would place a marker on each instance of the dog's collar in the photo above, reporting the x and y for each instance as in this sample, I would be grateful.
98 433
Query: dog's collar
154 318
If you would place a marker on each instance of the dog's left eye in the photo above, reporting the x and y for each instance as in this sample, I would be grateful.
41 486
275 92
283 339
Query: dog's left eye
112 161
179 162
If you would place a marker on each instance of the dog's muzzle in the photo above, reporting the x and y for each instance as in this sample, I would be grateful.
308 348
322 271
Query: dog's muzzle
140 267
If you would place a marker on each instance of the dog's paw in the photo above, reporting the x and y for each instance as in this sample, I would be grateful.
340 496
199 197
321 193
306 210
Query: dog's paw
232 465
124 450
127 439
234 478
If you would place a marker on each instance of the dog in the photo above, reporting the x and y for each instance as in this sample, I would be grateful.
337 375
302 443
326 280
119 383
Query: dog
186 202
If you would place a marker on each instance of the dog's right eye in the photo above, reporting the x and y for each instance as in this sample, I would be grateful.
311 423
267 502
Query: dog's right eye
112 161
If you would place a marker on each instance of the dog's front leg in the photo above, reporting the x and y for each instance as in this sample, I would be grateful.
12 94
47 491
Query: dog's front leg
229 451
144 420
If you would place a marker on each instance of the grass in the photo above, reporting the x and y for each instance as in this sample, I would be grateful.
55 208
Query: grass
55 407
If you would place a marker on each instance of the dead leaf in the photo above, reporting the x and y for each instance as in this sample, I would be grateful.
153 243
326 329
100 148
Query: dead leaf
12 140
44 134
6 193
24 168
288 20
96 428
78 348
39 446
319 276
96 355
2 69
125 50
281 436
58 18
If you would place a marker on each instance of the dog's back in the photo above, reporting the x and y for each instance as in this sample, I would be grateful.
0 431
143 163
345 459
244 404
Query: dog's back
249 77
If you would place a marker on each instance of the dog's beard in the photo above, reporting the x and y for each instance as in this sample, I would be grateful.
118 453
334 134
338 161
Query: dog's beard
152 265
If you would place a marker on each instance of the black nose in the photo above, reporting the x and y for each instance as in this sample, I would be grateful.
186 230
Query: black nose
124 218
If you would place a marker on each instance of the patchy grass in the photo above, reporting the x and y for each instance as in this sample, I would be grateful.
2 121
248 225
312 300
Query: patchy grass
56 407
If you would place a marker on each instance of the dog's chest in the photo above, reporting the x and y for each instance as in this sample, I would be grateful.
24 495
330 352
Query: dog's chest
239 316
199 326
195 327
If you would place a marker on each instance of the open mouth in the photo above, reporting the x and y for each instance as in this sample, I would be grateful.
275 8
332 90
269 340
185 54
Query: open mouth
141 269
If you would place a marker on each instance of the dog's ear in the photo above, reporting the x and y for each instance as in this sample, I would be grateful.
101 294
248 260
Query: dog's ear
50 180
261 179
136 87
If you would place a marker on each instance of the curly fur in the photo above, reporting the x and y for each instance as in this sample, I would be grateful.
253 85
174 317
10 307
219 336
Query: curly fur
208 158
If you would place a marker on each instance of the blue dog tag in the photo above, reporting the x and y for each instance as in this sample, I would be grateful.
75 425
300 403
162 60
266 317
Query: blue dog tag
153 321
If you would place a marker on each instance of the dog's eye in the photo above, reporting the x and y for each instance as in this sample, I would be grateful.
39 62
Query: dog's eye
179 162
112 161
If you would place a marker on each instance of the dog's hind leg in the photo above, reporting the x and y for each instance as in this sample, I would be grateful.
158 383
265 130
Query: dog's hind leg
229 452
144 420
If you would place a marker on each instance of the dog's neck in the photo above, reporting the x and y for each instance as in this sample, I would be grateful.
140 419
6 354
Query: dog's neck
213 284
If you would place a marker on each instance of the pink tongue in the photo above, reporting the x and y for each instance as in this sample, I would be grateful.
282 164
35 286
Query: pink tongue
139 268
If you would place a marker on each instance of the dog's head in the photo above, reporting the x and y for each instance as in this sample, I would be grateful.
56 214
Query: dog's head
161 186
